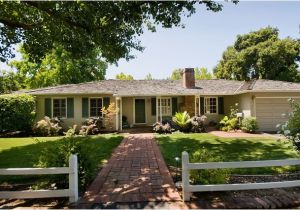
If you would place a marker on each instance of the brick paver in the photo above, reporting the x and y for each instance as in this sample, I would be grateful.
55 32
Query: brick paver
136 172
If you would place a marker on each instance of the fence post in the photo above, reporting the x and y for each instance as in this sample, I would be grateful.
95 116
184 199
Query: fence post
73 178
185 176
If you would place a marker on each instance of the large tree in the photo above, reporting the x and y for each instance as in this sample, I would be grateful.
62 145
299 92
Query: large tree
123 76
10 81
260 55
79 27
58 67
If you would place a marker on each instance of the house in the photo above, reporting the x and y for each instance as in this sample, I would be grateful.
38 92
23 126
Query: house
145 102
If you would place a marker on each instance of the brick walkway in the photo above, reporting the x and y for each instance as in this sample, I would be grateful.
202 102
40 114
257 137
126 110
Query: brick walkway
136 172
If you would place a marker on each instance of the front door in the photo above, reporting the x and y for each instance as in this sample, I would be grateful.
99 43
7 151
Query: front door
140 113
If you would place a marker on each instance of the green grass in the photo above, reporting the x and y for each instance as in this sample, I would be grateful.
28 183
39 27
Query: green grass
25 152
228 149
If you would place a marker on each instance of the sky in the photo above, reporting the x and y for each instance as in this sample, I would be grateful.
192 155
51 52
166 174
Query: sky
205 37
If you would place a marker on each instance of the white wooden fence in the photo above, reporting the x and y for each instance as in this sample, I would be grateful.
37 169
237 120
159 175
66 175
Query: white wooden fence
72 192
187 166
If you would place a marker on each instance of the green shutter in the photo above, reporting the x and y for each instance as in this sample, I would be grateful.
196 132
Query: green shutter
174 106
221 105
153 106
85 107
106 102
48 107
201 105
70 107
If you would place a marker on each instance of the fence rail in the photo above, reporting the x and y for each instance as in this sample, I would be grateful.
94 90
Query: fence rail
72 192
187 188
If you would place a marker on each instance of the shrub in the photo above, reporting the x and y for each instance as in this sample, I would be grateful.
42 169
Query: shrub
91 126
109 114
17 112
291 128
161 128
210 176
183 120
197 124
58 156
227 124
249 125
48 127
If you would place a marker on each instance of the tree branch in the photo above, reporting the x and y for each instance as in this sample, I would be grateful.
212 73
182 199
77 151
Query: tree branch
14 24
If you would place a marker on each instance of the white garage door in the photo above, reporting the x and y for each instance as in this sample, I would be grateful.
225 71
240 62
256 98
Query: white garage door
269 112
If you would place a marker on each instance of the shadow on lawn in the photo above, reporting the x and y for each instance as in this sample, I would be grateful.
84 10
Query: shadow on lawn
96 148
240 149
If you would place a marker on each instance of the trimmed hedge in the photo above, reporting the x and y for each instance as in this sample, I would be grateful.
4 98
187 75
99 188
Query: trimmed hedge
17 112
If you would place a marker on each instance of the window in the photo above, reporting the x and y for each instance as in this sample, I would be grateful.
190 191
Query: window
59 107
96 107
211 105
165 106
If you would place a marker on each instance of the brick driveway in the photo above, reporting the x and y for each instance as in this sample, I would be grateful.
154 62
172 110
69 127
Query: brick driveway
136 172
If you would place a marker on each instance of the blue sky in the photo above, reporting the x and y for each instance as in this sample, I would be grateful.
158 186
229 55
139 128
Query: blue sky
205 36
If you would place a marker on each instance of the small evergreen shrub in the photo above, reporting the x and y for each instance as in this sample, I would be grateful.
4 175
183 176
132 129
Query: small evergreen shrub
208 176
48 127
249 125
17 112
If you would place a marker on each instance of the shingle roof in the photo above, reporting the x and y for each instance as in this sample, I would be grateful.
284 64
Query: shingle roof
166 87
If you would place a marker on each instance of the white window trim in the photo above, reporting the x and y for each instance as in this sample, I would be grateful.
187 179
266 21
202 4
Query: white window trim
171 108
217 106
90 106
52 110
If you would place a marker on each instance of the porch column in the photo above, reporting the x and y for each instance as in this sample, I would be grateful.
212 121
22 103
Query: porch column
156 109
117 114
160 110
121 114
195 105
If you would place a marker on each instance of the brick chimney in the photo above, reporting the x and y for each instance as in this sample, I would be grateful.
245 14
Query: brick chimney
188 78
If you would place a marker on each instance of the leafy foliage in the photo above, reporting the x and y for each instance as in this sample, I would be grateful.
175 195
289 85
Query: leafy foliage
200 73
228 124
176 75
48 127
211 176
197 124
162 128
260 55
92 126
79 27
183 120
17 112
249 125
58 67
109 114
291 128
148 77
123 76
58 156
10 81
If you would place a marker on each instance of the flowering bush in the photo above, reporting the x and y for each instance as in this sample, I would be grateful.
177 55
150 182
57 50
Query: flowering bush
291 128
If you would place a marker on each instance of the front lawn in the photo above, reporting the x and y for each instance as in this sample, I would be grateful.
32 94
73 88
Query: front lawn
25 152
228 149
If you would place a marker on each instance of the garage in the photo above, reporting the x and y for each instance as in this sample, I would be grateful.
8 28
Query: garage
269 112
